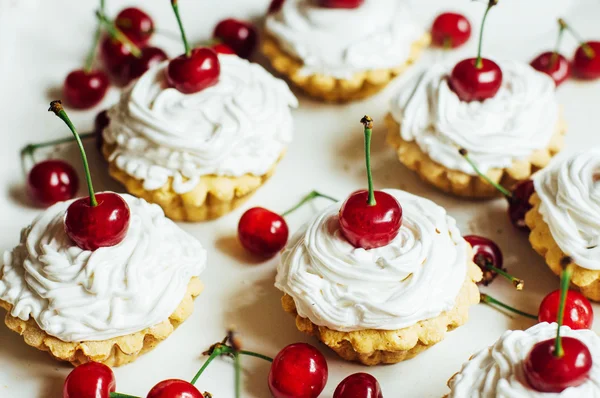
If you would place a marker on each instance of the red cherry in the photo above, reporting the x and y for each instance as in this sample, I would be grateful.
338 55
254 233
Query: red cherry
546 372
358 385
518 203
100 123
114 55
368 226
340 3
52 181
240 36
221 48
90 380
586 63
137 66
554 65
136 25
578 310
194 73
450 30
275 6
174 388
475 84
92 227
83 89
262 232
299 370
486 251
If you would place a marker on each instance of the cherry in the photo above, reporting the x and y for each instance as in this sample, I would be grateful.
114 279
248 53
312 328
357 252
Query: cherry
358 385
137 66
52 181
85 89
370 219
518 203
476 79
114 55
275 6
240 36
578 310
299 370
340 3
586 61
90 380
554 65
174 388
450 30
262 232
99 220
194 70
100 123
488 256
221 48
136 25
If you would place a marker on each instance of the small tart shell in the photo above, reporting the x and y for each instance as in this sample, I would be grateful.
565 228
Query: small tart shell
213 197
465 185
540 237
373 347
112 352
331 89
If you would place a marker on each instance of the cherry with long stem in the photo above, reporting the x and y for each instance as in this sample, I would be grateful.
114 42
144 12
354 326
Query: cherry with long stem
117 34
554 64
488 256
586 60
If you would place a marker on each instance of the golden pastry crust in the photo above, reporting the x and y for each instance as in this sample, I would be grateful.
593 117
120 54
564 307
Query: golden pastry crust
374 347
112 352
540 237
213 197
465 185
331 89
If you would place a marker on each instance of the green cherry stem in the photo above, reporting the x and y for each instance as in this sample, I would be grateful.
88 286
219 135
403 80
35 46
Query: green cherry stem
368 124
519 284
116 34
562 25
465 154
306 199
31 148
565 279
478 60
175 5
56 107
492 301
238 374
119 395
589 51
89 60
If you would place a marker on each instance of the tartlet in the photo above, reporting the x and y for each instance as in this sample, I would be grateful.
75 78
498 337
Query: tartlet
109 305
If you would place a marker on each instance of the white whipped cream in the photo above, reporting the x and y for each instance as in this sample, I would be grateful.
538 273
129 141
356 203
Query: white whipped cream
497 371
518 120
240 125
342 42
569 190
415 277
80 295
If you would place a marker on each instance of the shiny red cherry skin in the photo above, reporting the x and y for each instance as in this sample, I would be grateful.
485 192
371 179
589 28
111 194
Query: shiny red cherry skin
114 55
137 66
340 3
262 232
275 6
100 123
450 30
52 181
174 388
367 226
547 373
91 227
221 48
194 73
485 251
556 66
475 84
90 380
299 370
83 90
358 385
136 25
584 66
518 203
240 36
578 310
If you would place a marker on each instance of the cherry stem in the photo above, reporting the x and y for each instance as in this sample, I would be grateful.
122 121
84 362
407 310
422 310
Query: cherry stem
465 154
478 61
119 395
519 284
589 51
492 301
175 5
238 375
368 123
561 30
116 34
308 198
30 148
565 279
56 107
89 61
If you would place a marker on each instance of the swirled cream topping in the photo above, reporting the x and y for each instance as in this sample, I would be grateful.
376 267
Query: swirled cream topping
342 42
520 119
497 371
415 277
569 190
239 126
80 295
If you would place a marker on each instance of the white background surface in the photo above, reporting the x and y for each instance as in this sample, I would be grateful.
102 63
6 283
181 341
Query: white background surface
40 41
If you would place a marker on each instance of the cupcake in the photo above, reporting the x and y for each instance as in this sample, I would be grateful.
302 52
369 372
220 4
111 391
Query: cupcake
342 54
106 305
384 304
199 155
499 371
565 218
